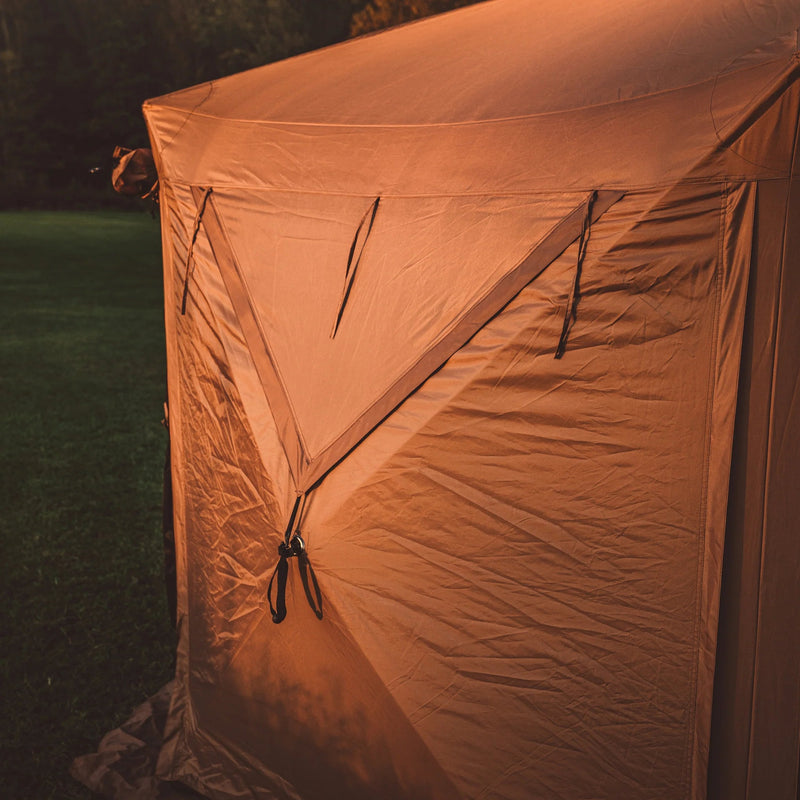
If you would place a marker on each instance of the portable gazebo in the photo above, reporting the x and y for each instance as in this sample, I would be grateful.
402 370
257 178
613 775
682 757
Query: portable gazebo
489 322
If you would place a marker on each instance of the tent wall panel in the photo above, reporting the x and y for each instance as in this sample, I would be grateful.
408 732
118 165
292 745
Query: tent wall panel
756 729
461 474
775 732
730 738
492 450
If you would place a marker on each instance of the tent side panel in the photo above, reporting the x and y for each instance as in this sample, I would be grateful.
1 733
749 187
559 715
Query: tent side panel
174 248
733 692
775 733
733 695
754 739
736 236
225 493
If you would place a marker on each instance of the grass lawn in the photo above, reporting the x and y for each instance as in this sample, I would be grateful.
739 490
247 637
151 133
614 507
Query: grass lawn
84 632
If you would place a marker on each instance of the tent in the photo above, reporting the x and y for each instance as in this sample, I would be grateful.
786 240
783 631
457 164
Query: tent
483 379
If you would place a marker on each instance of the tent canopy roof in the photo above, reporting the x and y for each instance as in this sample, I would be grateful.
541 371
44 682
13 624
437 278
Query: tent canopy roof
507 96
505 59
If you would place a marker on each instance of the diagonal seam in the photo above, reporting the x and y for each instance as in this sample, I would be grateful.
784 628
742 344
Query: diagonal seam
256 342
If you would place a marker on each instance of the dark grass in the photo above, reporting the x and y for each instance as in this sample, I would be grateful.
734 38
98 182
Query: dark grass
84 631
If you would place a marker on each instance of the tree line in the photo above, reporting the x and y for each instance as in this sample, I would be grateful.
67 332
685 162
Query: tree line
74 73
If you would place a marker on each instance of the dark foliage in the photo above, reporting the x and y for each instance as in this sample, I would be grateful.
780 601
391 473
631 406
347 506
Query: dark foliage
74 73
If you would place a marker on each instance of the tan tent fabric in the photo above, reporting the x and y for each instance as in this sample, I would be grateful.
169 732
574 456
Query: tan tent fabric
519 556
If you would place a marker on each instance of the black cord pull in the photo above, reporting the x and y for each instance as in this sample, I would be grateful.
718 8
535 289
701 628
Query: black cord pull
352 265
295 548
306 572
282 571
189 262
571 312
